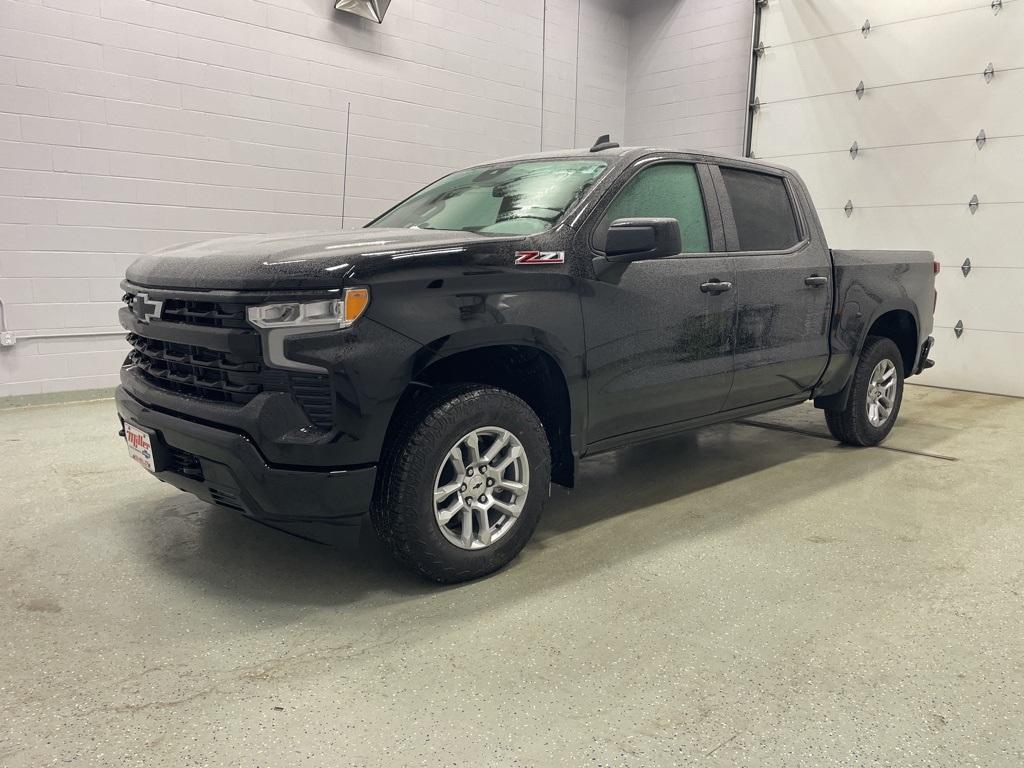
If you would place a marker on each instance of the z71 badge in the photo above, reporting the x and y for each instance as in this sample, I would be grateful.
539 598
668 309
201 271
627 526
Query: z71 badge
540 257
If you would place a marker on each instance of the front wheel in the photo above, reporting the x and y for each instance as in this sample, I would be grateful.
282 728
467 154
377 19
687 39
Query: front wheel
875 396
462 482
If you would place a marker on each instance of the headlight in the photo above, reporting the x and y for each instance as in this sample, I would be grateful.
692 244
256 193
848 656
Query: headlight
329 313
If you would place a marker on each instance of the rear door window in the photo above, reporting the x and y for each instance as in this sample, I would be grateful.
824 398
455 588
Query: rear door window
762 209
666 190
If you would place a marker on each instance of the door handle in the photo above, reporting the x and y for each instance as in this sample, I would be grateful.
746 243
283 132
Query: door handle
715 286
815 280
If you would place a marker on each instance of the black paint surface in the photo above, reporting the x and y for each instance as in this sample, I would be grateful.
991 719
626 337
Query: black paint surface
643 351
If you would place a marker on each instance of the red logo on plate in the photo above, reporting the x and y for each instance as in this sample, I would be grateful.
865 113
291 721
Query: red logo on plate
137 441
540 257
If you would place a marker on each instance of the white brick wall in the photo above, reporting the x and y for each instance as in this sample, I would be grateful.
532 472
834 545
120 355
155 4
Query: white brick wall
688 68
585 77
129 125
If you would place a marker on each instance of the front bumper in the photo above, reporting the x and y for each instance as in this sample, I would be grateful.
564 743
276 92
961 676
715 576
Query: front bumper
226 468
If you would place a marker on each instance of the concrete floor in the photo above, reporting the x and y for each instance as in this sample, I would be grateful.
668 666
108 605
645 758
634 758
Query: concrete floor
735 596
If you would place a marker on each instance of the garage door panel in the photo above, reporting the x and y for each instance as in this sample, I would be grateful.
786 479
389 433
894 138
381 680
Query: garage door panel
942 46
988 298
784 21
980 361
918 166
892 116
916 175
951 233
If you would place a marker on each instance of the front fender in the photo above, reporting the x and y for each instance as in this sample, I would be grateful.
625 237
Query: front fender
461 310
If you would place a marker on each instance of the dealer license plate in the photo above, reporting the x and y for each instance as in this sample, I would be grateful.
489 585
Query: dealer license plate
140 448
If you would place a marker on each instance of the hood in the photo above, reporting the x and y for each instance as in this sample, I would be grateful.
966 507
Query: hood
297 261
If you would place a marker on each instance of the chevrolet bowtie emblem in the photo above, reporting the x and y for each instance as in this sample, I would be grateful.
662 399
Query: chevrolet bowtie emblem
146 309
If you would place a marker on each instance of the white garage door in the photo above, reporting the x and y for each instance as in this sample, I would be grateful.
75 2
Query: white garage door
919 160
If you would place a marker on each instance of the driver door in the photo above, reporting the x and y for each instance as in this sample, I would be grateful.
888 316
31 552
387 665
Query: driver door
659 336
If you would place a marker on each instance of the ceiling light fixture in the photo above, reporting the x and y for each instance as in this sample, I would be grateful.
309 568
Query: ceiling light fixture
368 9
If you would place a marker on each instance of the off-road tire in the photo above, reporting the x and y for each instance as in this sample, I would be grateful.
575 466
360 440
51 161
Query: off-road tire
402 511
851 425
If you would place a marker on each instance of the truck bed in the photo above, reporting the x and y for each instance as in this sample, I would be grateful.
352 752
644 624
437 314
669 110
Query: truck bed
874 285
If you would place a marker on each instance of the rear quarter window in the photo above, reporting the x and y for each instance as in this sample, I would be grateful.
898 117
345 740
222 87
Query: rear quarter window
762 209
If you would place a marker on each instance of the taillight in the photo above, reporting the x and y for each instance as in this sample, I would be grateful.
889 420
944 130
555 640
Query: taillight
936 267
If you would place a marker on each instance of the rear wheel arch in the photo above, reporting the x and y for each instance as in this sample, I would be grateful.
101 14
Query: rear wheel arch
896 323
875 392
901 326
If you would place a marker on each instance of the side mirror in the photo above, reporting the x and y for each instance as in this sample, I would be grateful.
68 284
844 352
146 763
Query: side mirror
641 239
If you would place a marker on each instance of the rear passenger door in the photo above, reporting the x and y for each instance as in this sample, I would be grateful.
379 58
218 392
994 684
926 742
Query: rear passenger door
782 274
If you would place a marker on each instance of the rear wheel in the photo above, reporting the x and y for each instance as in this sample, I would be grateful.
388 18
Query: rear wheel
462 483
876 393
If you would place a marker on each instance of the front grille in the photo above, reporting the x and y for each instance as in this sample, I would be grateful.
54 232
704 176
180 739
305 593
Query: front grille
210 374
209 313
196 371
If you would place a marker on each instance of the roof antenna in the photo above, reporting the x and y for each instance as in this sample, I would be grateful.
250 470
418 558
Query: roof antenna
603 142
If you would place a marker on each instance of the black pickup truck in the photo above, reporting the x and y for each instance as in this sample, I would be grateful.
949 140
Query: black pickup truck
438 368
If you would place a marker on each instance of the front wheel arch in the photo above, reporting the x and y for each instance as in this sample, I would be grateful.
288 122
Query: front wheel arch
531 373
403 513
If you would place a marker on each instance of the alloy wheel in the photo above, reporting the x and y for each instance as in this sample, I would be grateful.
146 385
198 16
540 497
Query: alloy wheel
881 392
480 488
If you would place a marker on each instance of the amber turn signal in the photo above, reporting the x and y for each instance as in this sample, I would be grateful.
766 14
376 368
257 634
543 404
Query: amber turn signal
356 302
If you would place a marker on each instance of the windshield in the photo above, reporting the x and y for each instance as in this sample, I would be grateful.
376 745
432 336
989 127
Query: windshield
509 199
